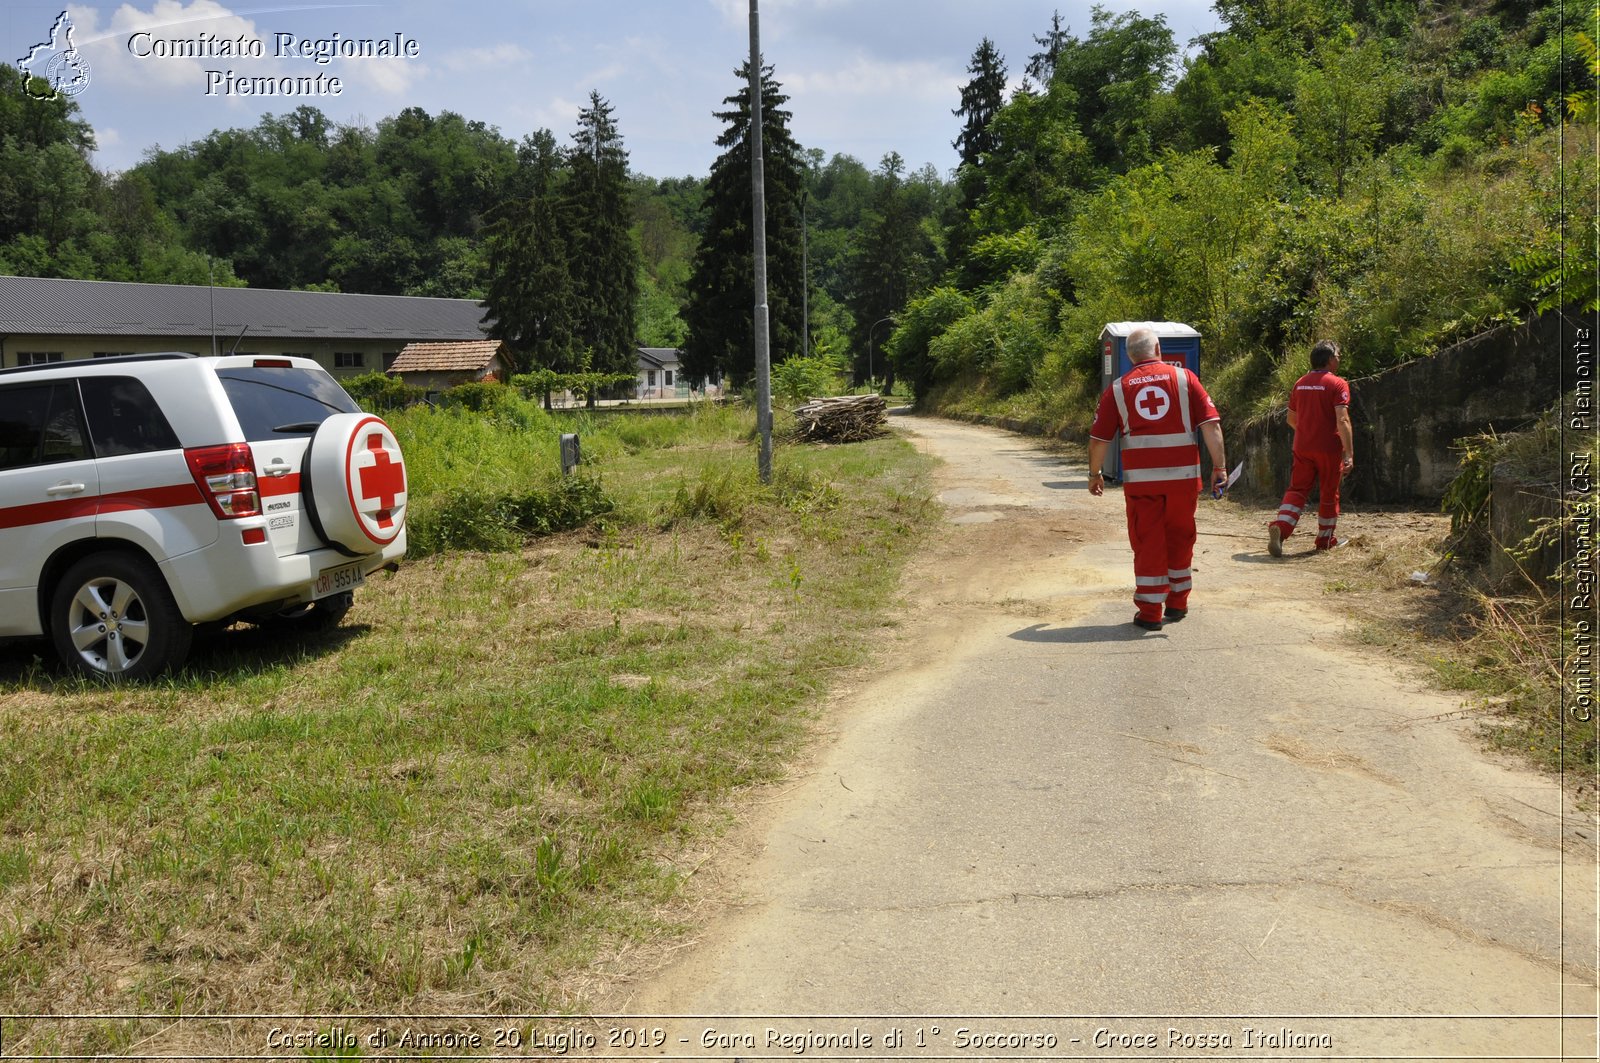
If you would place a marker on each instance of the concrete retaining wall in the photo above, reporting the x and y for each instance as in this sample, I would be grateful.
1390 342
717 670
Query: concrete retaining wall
1406 418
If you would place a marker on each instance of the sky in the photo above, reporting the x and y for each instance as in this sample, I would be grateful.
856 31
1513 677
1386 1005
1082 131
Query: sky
865 77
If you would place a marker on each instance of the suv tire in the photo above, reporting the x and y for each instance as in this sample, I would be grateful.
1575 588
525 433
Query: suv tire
112 617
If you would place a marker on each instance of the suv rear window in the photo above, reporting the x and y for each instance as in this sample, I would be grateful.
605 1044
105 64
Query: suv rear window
124 417
273 403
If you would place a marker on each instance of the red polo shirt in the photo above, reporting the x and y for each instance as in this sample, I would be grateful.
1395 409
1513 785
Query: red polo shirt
1316 395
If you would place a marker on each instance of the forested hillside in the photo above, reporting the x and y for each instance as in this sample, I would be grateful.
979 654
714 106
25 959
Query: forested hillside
1389 173
437 204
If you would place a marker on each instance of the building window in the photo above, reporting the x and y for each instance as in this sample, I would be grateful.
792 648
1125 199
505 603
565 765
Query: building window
298 354
38 357
349 360
667 378
650 378
388 359
112 354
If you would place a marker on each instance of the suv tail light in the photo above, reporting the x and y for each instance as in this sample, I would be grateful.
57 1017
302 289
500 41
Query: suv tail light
227 478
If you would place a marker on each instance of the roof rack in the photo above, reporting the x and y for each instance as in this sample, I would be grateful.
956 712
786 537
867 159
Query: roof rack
79 363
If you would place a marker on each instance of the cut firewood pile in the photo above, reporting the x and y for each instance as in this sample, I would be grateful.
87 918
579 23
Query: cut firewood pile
842 419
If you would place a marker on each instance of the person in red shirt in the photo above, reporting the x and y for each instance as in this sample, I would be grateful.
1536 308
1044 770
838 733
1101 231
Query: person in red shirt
1156 407
1324 448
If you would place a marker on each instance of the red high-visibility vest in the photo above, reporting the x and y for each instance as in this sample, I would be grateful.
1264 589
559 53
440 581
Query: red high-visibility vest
1158 444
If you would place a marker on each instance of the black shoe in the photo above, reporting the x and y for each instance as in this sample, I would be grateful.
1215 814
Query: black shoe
1175 615
1148 625
1275 541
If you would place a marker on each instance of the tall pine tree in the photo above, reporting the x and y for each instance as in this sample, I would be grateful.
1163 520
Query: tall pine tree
1042 64
893 261
722 288
603 257
981 100
531 298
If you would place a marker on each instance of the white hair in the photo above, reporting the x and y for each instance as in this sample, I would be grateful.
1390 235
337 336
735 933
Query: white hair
1141 344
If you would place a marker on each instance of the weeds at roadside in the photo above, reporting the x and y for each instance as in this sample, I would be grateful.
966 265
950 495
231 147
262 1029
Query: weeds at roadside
471 791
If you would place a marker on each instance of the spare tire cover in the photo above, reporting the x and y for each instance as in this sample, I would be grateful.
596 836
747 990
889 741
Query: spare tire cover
358 482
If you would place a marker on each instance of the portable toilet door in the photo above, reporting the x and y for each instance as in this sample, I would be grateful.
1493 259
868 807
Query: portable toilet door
1180 345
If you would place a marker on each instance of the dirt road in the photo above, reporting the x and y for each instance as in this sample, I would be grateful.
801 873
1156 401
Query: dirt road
1245 827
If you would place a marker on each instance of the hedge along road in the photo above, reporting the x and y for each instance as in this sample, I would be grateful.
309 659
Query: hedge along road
1236 829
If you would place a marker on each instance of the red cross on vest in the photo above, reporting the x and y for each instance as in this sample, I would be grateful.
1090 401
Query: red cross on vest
384 479
1152 403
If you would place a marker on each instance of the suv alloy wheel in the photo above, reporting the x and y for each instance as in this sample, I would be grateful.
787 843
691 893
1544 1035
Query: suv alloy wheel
112 616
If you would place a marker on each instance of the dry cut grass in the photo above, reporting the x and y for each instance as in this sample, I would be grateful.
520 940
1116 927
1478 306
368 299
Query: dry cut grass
458 801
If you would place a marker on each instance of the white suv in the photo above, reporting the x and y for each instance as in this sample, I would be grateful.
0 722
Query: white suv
140 496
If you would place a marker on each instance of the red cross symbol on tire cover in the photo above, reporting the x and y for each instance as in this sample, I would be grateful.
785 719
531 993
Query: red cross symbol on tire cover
384 479
1152 403
377 480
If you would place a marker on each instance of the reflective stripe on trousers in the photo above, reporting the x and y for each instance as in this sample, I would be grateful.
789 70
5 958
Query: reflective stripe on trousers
1162 533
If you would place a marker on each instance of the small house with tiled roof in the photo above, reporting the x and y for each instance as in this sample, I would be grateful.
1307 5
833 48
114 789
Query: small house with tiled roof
436 366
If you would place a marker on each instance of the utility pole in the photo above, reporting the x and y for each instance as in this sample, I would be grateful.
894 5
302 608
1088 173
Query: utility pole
211 283
758 224
805 272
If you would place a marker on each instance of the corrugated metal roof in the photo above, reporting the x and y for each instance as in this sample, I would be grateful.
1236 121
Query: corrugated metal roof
51 306
446 357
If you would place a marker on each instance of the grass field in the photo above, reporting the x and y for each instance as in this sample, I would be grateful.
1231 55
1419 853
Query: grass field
475 786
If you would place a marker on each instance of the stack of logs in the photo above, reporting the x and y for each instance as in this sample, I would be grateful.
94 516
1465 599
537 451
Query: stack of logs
842 419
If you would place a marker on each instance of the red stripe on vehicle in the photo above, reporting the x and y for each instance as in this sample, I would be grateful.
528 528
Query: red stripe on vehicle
273 486
47 512
112 502
152 498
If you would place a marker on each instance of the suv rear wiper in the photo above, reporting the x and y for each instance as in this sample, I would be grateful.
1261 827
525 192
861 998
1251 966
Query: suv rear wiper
299 426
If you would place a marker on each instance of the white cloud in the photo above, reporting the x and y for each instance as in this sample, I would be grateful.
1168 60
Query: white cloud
867 78
478 60
392 77
557 114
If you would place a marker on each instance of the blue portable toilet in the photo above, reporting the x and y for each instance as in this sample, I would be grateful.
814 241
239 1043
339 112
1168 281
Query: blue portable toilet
1180 345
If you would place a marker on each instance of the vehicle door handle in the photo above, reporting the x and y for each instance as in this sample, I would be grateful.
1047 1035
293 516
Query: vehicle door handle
277 468
65 489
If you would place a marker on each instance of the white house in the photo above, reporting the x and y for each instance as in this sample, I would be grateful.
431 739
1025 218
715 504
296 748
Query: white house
661 376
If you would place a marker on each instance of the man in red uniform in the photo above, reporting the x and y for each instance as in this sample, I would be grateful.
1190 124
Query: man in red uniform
1324 448
1156 407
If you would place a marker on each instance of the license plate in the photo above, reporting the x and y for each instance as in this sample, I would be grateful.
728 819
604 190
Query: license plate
334 580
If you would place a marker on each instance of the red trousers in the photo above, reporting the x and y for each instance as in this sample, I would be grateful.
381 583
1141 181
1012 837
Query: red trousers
1161 532
1324 470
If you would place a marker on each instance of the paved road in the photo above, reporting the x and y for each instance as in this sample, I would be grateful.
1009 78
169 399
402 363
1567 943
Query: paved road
1038 810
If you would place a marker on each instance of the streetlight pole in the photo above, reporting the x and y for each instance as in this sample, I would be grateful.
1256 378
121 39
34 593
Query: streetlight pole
758 211
805 273
870 331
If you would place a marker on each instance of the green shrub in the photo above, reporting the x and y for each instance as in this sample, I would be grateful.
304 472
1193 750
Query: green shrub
471 518
719 495
799 379
376 392
478 396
